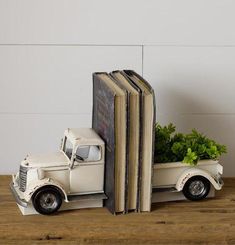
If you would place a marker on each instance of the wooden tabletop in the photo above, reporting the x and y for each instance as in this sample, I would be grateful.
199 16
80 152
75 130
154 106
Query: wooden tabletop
210 221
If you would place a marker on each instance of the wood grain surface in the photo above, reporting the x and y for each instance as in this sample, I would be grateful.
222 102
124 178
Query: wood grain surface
210 221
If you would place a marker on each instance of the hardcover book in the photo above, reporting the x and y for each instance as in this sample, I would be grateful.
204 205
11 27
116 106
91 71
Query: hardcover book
147 134
110 122
133 132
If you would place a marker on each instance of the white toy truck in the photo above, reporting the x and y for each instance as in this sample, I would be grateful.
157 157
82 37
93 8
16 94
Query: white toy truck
76 172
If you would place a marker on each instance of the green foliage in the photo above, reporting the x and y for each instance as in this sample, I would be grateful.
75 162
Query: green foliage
191 157
188 148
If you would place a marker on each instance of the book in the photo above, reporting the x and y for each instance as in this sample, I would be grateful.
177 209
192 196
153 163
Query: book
110 122
133 133
147 133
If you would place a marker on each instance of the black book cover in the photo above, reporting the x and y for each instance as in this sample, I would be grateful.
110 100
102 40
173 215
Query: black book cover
103 122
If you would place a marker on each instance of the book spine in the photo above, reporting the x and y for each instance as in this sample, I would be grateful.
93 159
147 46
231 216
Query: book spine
127 136
130 73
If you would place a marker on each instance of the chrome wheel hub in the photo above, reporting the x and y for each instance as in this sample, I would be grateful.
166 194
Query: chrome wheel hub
48 201
197 187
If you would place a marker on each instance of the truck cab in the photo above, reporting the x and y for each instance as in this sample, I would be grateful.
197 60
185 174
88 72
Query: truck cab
75 172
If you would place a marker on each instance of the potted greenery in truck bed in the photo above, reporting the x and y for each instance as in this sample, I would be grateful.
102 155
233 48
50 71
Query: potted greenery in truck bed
186 148
186 162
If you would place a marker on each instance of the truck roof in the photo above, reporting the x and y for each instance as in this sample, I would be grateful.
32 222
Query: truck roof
84 136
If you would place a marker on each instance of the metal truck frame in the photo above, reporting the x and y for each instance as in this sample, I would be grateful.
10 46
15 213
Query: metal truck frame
76 174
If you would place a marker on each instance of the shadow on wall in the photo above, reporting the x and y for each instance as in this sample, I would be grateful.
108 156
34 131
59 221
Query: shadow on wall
187 113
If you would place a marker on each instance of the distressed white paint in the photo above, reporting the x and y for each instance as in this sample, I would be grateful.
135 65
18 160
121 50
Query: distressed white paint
68 175
29 210
176 174
175 196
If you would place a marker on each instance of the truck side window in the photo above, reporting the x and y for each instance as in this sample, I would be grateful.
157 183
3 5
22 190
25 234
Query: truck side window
88 153
68 148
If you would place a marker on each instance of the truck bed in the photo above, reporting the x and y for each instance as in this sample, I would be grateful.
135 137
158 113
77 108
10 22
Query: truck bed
167 174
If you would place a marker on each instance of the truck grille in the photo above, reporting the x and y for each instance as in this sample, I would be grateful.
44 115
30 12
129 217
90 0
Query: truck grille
23 178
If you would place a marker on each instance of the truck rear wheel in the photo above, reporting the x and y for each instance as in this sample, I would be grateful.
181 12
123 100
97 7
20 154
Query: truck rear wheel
47 200
196 188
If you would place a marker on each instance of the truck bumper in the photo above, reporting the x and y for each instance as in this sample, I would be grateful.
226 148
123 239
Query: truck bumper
18 199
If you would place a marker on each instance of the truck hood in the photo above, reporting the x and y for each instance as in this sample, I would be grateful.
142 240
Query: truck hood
46 160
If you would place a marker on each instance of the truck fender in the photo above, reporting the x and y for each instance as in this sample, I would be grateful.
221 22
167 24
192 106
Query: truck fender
34 186
187 174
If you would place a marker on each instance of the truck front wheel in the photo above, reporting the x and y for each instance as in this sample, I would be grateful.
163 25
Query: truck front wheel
196 188
47 200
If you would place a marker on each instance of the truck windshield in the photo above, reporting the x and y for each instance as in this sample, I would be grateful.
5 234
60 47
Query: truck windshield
68 148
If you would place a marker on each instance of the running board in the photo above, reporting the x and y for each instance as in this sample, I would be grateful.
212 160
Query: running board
93 196
164 189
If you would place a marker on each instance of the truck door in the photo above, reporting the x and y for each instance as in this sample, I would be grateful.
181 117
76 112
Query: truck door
87 173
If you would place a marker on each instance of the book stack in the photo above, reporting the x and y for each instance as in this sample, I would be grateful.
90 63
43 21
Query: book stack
124 116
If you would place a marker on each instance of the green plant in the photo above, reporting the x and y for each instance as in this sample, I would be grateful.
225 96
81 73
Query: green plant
187 148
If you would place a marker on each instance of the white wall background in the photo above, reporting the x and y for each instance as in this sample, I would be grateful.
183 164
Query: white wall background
49 49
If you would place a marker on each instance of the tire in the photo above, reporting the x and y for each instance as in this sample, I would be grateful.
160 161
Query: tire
47 200
196 188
